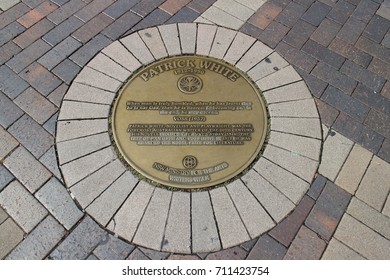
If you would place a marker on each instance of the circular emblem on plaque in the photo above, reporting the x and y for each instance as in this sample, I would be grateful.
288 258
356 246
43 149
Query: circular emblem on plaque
189 140
190 84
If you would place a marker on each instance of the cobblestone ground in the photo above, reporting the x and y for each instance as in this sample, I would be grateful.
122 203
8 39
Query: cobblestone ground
341 48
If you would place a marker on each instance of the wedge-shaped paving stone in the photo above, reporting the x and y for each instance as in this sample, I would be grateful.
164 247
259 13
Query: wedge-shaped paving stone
339 251
76 148
39 242
282 77
301 166
304 146
71 110
150 232
253 4
104 207
84 93
79 244
22 206
239 46
235 9
104 64
138 48
299 126
272 63
121 55
67 130
113 249
187 34
177 236
3 216
206 34
49 160
89 76
255 218
170 36
7 143
296 109
231 228
276 204
386 208
29 171
362 239
295 91
91 187
254 55
289 184
12 233
222 41
222 18
353 169
154 42
78 169
137 254
127 219
5 178
335 151
204 229
267 248
375 185
54 196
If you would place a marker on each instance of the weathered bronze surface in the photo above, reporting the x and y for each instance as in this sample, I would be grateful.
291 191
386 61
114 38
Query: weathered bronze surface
189 122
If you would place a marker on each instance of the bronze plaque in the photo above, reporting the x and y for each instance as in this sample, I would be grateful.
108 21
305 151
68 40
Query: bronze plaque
189 122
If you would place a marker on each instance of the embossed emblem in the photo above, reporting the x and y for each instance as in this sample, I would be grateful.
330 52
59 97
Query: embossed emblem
190 84
190 162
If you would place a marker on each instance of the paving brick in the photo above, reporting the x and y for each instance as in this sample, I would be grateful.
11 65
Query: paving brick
365 10
5 178
120 7
92 28
338 251
177 236
380 68
3 215
13 14
67 130
80 242
376 29
33 33
113 249
379 122
372 99
267 248
306 246
326 32
323 54
37 14
384 10
91 77
138 48
6 4
316 187
154 42
351 52
121 25
238 48
144 7
10 232
187 35
9 32
251 30
205 38
304 127
170 37
254 55
63 30
374 49
67 70
7 51
9 113
172 7
39 242
153 254
222 18
265 15
384 152
222 42
65 11
235 253
328 114
22 206
184 15
10 83
316 13
315 85
93 9
57 95
200 6
183 257
7 143
157 17
89 50
235 9
137 255
33 3
40 78
299 34
49 160
273 34
341 11
291 14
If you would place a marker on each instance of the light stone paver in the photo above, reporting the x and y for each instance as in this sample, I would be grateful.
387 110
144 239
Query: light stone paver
5 177
305 108
170 36
301 166
205 236
206 34
231 229
335 151
12 234
223 39
91 187
362 239
79 147
282 77
124 223
375 186
201 19
6 4
253 4
187 35
78 169
106 65
104 207
150 232
238 47
3 215
71 110
353 169
67 130
235 9
254 55
386 208
7 143
91 77
22 206
271 64
339 251
177 236
117 52
153 41
54 196
113 249
295 91
299 126
84 93
39 242
276 204
289 184
255 218
325 132
30 172
222 18
138 48
49 160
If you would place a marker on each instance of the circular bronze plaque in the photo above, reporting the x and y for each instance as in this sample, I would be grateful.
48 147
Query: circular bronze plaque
189 122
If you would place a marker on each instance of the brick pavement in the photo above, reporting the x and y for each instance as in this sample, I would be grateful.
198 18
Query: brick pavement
340 48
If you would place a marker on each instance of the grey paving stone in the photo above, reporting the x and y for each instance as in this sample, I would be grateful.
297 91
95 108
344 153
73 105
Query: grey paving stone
9 112
67 70
104 207
170 36
49 160
222 18
223 39
5 177
272 63
253 215
267 248
10 31
150 231
316 187
79 110
239 46
113 249
299 126
138 48
187 35
137 254
274 202
10 83
6 4
22 206
177 237
7 143
254 55
122 56
153 254
67 130
83 55
92 257
80 242
62 30
91 77
84 93
39 242
31 135
235 9
29 171
386 208
12 233
282 77
253 4
154 42
336 250
104 64
3 214
205 237
57 95
51 123
295 91
205 38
